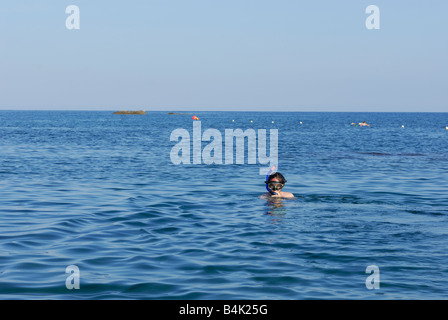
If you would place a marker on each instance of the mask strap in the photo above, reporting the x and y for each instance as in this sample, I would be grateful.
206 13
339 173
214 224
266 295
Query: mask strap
267 179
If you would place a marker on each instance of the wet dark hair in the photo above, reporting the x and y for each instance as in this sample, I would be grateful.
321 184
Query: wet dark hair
277 175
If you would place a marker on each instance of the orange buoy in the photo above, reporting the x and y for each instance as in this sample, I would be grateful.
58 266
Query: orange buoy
195 118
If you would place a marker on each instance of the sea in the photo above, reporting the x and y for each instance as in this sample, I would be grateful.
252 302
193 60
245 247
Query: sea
92 206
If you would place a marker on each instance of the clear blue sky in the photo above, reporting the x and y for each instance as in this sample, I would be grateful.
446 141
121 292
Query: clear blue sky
255 55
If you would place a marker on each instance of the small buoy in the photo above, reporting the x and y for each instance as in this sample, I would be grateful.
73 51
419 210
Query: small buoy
195 118
251 121
272 121
233 120
300 122
402 126
446 127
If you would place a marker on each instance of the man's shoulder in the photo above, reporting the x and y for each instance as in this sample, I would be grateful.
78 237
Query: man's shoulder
287 195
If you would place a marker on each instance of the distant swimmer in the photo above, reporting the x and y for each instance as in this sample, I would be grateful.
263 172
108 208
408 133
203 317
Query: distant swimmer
361 124
274 184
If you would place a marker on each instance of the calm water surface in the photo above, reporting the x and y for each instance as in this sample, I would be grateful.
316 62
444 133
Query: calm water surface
99 191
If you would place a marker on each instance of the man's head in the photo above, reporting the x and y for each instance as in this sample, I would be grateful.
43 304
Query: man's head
276 181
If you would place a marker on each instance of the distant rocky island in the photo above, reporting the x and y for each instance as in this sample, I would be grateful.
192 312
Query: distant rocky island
130 112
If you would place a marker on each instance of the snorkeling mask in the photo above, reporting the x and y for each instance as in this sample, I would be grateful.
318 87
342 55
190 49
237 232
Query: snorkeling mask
275 186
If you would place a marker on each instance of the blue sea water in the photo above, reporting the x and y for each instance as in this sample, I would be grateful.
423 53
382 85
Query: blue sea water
100 191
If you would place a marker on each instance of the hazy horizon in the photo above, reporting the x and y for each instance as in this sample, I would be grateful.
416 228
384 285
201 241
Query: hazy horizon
176 110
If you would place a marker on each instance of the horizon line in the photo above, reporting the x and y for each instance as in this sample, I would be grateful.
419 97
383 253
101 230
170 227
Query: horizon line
192 110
